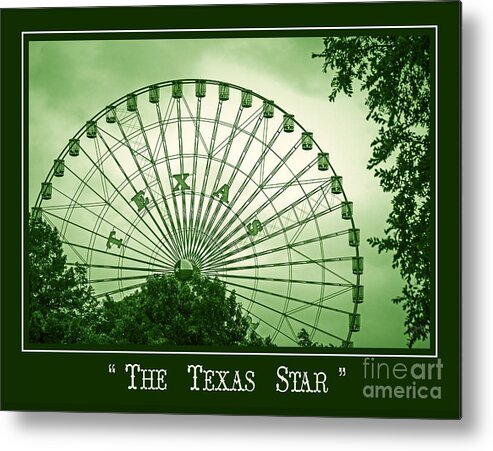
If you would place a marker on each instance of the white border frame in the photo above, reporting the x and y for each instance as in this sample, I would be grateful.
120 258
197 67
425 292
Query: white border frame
199 353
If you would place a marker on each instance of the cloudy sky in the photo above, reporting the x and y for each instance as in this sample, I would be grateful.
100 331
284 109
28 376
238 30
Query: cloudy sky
71 81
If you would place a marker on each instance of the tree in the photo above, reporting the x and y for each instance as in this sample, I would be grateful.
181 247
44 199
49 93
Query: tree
60 300
305 341
166 311
395 74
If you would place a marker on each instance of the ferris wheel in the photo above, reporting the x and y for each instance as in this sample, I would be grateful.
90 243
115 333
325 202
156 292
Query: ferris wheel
201 175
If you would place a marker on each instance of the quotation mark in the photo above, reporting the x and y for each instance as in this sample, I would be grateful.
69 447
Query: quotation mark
342 371
111 368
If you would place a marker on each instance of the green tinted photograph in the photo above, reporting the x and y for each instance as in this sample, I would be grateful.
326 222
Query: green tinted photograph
244 193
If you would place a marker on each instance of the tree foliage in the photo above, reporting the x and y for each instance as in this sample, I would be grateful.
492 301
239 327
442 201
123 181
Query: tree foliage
60 300
394 72
304 340
166 311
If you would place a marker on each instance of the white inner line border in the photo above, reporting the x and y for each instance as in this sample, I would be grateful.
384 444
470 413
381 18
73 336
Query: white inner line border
187 30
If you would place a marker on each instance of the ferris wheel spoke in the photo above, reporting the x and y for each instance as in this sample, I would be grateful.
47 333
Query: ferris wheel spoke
173 232
244 153
319 301
111 254
99 217
196 122
65 207
118 192
320 261
205 179
251 136
263 320
259 162
300 182
162 131
284 314
119 267
270 199
308 304
151 161
204 225
110 205
308 261
93 233
284 247
273 173
213 227
224 244
144 205
261 305
104 132
236 130
183 186
280 279
74 250
313 208
292 207
103 180
201 249
212 143
203 218
231 249
117 279
290 326
163 123
198 138
119 290
264 140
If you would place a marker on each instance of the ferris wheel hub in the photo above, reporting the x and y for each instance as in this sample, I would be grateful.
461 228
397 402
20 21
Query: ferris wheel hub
184 269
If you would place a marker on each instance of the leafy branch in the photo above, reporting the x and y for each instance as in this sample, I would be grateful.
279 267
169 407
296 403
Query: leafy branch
395 74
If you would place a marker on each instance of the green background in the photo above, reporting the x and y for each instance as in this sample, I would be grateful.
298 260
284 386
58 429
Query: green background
54 381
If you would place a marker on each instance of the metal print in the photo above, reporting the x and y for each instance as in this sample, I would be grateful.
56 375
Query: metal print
240 211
